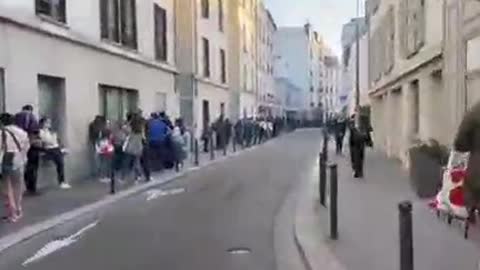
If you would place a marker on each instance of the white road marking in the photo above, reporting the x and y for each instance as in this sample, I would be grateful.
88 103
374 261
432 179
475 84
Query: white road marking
156 193
56 245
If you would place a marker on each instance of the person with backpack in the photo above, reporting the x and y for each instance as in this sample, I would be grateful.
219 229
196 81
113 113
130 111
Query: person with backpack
133 150
14 146
27 121
157 139
105 151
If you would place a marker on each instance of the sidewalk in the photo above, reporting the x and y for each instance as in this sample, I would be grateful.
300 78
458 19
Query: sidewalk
368 224
54 206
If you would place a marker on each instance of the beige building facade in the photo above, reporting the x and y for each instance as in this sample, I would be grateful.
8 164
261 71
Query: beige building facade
406 76
268 100
202 57
461 58
242 51
73 61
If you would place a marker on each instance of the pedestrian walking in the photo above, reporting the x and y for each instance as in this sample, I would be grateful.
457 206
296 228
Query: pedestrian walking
468 140
357 143
181 142
14 147
53 151
138 124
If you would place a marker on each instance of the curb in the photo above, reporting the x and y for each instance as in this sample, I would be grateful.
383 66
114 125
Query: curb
29 232
301 250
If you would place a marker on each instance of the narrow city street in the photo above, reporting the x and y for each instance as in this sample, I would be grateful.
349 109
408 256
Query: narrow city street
232 215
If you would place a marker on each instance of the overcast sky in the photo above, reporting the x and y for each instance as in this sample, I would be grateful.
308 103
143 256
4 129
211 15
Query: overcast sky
327 16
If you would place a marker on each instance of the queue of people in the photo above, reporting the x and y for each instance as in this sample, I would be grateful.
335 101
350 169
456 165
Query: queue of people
24 140
132 149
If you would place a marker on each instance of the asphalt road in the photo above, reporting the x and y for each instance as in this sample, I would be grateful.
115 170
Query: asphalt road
246 202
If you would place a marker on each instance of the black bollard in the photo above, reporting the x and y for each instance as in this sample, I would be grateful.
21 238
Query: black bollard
112 178
212 146
325 145
322 178
224 144
196 160
333 201
234 143
406 235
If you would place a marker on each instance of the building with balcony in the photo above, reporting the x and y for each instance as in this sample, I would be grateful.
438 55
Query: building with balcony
73 60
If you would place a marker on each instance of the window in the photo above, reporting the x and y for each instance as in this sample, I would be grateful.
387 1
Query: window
223 66
2 90
54 9
116 102
160 17
206 57
160 102
118 22
222 108
416 106
51 97
220 15
205 9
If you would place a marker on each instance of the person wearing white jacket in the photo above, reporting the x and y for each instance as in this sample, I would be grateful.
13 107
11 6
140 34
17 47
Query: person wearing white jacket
14 145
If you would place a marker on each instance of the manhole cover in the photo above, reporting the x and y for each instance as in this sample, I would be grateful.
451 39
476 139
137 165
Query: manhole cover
239 251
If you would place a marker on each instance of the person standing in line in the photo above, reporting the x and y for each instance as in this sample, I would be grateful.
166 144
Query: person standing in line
14 146
27 121
138 124
53 151
133 149
96 129
105 152
467 140
358 140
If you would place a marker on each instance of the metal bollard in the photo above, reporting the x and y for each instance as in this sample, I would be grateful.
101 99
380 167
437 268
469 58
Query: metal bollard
212 146
406 235
322 178
224 144
334 201
196 160
325 145
112 179
234 143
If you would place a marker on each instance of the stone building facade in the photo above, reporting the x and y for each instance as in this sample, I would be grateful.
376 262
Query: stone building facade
73 60
406 78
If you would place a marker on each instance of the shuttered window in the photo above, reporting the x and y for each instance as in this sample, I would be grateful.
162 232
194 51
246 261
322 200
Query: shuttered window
160 15
206 57
118 22
223 66
412 26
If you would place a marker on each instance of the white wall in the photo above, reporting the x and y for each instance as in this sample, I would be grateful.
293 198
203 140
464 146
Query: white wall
83 63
